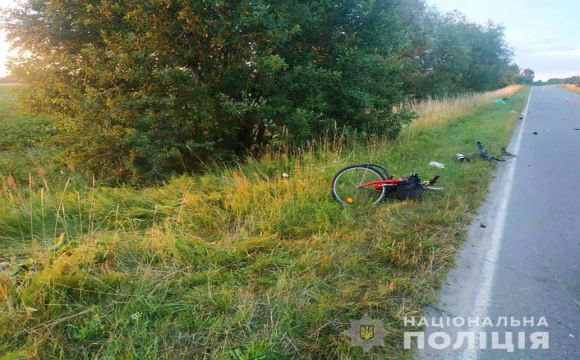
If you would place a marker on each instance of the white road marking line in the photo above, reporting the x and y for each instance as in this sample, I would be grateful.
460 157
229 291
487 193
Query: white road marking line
483 297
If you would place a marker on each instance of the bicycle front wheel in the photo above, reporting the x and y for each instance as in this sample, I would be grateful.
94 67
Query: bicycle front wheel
346 186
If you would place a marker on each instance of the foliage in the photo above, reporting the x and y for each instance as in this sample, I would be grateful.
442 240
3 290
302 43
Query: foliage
23 149
529 73
526 77
140 89
239 263
17 129
512 74
450 55
572 80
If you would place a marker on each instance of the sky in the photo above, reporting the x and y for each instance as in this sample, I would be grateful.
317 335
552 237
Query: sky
4 46
3 54
543 34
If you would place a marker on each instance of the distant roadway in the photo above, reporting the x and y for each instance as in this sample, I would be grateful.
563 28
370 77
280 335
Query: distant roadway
521 261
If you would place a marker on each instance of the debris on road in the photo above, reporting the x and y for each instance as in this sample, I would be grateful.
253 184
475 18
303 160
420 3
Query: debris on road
461 157
486 156
504 152
436 164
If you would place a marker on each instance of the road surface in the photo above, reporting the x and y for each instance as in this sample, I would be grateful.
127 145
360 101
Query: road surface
524 265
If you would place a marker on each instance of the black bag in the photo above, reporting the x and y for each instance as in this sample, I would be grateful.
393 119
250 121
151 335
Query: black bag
411 189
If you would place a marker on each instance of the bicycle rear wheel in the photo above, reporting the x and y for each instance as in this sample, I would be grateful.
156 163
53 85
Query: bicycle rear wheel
345 187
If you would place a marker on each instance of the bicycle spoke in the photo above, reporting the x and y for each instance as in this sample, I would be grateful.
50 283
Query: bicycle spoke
347 186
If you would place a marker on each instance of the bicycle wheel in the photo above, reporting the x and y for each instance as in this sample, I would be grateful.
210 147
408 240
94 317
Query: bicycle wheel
345 187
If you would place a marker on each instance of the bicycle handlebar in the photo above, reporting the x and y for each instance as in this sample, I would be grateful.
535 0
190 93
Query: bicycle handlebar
432 181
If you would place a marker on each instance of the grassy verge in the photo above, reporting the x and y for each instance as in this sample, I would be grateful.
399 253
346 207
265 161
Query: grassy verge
22 150
16 129
256 262
438 111
570 87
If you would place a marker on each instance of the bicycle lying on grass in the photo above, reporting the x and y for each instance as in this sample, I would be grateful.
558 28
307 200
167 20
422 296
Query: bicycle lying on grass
367 184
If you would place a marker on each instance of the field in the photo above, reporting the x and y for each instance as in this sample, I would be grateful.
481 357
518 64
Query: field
570 87
252 262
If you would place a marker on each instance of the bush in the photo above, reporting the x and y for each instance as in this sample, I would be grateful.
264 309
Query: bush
139 90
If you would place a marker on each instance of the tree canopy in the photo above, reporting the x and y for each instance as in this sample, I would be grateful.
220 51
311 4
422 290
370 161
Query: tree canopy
141 89
447 54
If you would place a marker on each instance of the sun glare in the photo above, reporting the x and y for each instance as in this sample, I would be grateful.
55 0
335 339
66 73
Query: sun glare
4 46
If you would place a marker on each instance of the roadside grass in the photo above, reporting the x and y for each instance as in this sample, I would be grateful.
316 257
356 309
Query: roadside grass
16 129
22 149
441 110
570 87
253 262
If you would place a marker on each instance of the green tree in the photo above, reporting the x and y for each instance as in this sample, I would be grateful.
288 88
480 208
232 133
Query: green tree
140 89
529 73
490 56
526 77
512 73
447 54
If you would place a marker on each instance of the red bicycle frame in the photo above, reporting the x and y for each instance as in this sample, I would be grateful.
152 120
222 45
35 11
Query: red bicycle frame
382 183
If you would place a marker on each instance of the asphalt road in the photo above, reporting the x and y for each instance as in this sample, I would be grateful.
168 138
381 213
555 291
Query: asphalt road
524 265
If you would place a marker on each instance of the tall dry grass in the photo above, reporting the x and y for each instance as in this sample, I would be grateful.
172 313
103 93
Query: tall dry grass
570 87
250 262
440 110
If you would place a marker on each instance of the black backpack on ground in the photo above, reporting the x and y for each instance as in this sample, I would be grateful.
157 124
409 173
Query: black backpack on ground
411 189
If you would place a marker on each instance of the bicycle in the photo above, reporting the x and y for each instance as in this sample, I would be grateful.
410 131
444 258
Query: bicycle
368 184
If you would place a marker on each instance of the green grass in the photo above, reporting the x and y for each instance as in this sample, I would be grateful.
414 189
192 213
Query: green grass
238 263
23 152
17 130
